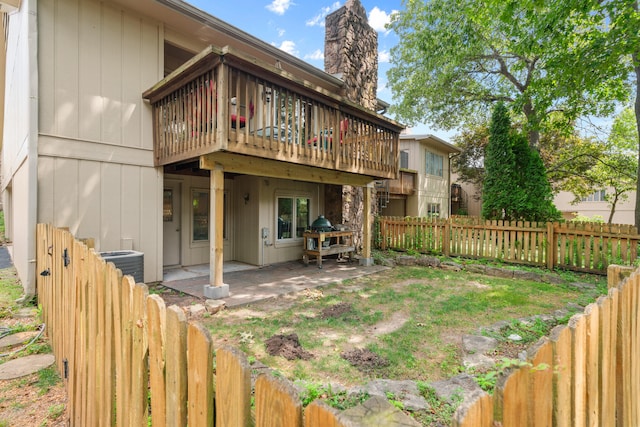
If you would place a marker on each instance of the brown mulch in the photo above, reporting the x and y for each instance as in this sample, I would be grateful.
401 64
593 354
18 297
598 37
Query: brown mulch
336 310
364 359
287 346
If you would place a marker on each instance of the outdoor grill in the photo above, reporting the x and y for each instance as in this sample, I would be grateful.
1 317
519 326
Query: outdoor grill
321 224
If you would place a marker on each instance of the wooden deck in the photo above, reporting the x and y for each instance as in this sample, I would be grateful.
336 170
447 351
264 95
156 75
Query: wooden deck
222 101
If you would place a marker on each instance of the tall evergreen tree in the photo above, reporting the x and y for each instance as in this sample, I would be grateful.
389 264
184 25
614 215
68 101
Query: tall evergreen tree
499 189
537 204
515 184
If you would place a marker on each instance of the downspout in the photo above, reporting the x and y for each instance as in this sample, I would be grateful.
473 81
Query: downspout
32 148
451 156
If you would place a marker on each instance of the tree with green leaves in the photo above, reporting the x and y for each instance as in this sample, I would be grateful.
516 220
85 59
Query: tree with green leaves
500 194
515 183
456 58
615 171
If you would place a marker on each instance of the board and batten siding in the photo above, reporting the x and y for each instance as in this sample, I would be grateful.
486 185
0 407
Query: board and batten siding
95 145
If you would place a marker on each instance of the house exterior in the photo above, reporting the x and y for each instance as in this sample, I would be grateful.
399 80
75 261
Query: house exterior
595 206
424 180
155 127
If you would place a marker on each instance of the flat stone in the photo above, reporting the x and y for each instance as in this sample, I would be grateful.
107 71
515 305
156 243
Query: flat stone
404 391
213 306
582 285
462 385
554 279
428 261
387 262
17 338
527 275
477 361
476 268
499 272
25 366
476 344
574 308
26 312
450 265
196 309
377 411
405 260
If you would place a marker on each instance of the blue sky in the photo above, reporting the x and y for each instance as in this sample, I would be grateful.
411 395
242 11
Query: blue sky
298 28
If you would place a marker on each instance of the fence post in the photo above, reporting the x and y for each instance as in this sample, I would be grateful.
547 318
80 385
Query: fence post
551 246
446 238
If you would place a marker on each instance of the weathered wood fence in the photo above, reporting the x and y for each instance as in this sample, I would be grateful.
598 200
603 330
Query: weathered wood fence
586 374
588 247
128 360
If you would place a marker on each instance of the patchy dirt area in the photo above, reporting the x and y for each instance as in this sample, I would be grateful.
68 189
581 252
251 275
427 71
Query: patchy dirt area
24 403
364 359
287 346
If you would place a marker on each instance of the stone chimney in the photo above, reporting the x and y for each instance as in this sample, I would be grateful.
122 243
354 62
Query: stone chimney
351 53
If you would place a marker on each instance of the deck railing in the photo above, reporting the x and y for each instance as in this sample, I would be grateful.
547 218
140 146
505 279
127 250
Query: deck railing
222 101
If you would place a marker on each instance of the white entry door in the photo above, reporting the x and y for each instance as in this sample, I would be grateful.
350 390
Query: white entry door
171 221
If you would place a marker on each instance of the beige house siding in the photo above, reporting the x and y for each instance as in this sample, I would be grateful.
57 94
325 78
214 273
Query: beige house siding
95 167
624 214
19 142
260 212
429 188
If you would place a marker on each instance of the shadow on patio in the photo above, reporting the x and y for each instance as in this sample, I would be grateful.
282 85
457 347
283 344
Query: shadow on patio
250 284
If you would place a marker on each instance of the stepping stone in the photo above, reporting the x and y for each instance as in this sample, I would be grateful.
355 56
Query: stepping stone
377 411
18 338
25 366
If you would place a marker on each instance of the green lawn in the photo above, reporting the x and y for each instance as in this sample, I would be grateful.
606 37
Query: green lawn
411 316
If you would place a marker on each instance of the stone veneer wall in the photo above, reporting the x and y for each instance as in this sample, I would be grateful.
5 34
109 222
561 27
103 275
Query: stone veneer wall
351 52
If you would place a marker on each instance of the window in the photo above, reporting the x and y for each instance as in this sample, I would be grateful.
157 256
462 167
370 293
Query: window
598 196
404 159
167 205
200 215
433 209
293 217
434 164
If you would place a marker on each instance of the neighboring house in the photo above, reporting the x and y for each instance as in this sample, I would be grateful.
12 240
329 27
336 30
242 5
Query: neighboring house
150 125
592 206
424 182
595 206
466 198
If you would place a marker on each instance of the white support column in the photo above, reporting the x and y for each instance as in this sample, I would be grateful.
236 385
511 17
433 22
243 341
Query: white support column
216 288
366 259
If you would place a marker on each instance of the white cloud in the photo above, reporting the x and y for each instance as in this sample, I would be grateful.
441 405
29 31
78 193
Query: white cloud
383 56
281 32
379 18
289 47
318 20
279 6
317 55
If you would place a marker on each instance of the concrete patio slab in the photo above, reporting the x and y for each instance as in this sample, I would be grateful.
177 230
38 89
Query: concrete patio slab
257 284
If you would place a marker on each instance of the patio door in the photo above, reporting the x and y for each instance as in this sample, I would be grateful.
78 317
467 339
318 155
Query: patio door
171 221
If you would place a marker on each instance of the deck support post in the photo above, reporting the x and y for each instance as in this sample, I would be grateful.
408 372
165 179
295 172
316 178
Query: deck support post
366 259
216 288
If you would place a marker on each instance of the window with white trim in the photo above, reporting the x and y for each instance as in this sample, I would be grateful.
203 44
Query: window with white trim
433 209
434 164
598 196
292 217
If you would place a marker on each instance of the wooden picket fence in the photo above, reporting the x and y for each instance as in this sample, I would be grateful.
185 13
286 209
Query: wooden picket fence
127 360
587 373
588 247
